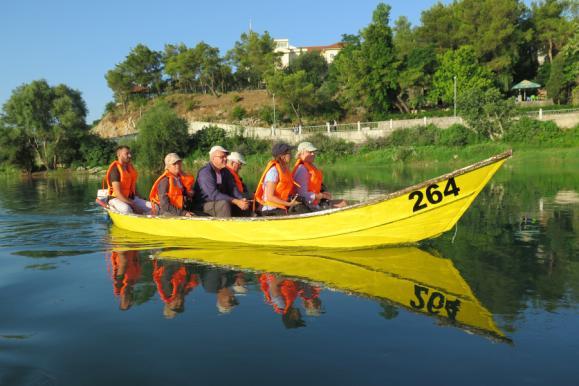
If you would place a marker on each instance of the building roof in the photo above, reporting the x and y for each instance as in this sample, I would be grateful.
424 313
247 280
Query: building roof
336 46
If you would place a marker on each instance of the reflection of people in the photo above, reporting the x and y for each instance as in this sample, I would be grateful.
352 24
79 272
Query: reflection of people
126 270
215 191
172 190
310 180
219 282
121 182
281 293
174 281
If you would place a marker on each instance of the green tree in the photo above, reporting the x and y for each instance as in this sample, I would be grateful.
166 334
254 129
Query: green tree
314 65
564 74
463 64
253 56
294 88
210 66
15 148
439 28
486 111
161 131
181 64
49 117
142 67
497 30
365 71
552 26
416 65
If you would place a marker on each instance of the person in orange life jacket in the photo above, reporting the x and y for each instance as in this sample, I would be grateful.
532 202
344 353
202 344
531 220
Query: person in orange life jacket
276 186
172 190
121 180
215 191
281 293
125 271
235 162
310 180
174 281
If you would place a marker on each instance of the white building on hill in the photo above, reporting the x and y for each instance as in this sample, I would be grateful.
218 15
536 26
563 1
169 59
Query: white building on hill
290 52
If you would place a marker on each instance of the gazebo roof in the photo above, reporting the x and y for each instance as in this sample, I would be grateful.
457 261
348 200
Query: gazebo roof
525 84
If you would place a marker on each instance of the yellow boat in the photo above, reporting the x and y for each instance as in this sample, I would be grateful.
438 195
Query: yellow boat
407 276
416 213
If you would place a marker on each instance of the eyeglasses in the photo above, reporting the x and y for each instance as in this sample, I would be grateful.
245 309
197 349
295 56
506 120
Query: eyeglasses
220 156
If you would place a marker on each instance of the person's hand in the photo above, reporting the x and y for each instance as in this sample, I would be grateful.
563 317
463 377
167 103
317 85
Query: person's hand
323 195
293 202
241 204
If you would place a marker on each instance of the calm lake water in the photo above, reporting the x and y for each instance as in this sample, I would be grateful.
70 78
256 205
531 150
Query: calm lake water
495 301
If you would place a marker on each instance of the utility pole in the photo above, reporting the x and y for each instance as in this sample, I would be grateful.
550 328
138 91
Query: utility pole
455 96
273 96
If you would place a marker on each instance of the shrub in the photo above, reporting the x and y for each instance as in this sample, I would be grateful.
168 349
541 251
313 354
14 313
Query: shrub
458 135
238 113
266 114
415 136
96 151
161 131
533 132
331 148
207 137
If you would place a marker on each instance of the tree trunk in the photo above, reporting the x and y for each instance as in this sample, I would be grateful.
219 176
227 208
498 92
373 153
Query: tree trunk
401 105
296 112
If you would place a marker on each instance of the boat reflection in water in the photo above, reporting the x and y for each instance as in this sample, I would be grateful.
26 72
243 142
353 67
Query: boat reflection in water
407 276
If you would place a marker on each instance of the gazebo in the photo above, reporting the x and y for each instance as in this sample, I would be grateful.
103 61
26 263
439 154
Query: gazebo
525 85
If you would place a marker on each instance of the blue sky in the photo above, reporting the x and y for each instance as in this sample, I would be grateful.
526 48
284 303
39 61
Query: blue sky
77 42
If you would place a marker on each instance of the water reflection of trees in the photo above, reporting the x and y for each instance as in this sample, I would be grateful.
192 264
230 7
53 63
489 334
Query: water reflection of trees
517 248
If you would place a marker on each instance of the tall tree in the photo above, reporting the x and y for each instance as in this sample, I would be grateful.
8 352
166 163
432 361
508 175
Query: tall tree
463 64
314 65
142 67
415 63
181 64
48 117
552 25
366 72
253 56
294 88
210 66
496 30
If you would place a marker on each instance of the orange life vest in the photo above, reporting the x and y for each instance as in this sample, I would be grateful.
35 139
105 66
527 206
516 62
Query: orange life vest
132 271
316 176
283 189
128 179
237 179
178 282
175 193
288 289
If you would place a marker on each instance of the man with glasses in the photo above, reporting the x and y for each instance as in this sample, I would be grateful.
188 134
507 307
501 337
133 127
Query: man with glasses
215 191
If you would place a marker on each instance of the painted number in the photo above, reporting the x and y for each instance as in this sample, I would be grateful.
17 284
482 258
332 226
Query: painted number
435 302
433 195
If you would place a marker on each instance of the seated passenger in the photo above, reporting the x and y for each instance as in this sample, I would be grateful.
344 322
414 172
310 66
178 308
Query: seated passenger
121 182
234 163
310 180
215 193
276 186
172 190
